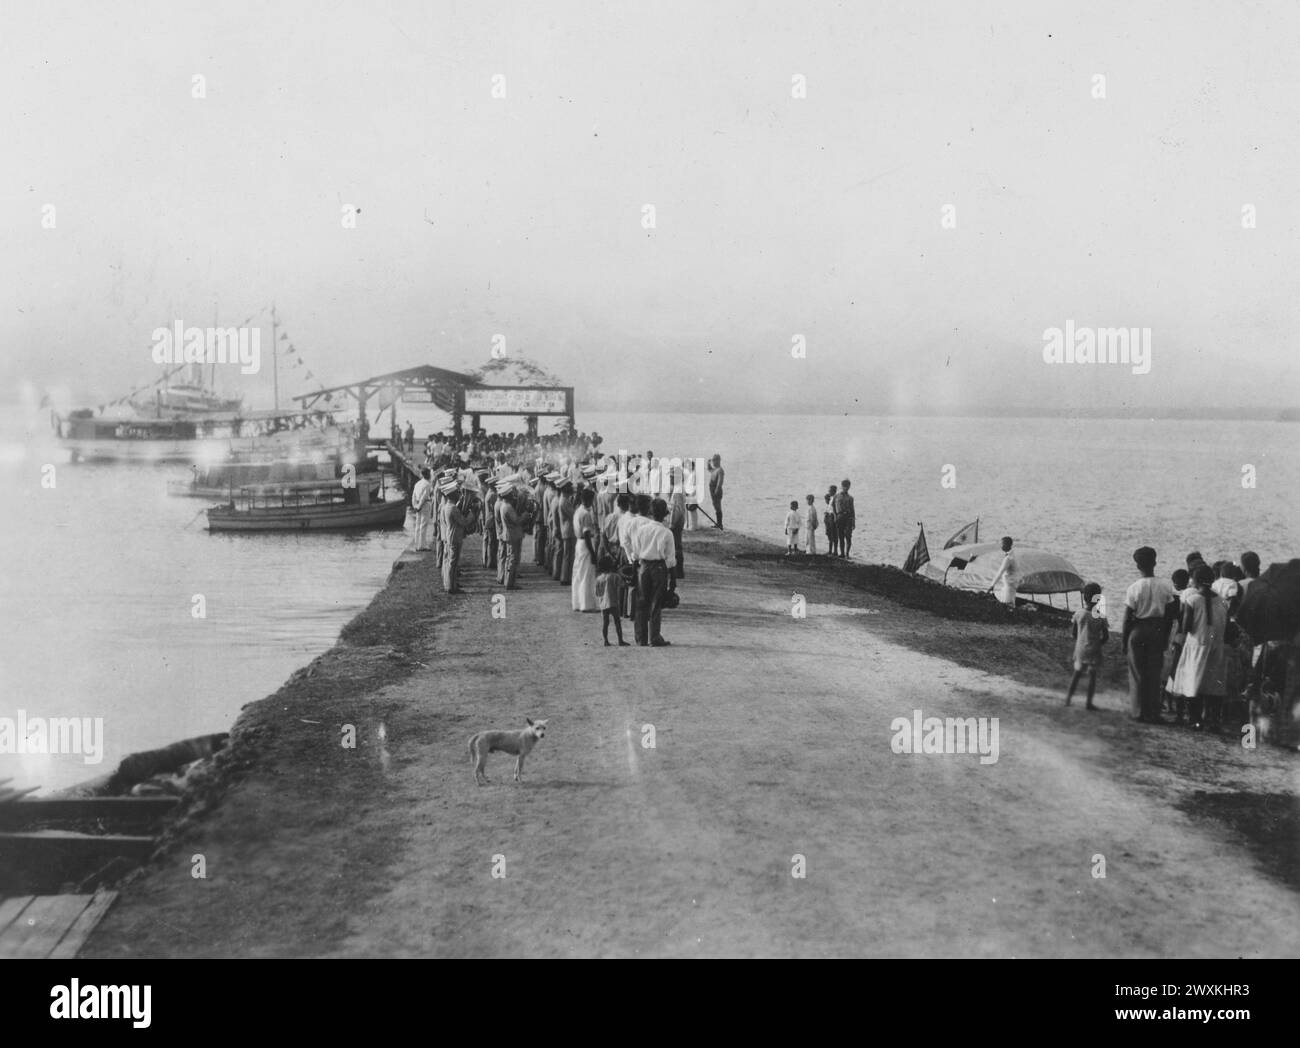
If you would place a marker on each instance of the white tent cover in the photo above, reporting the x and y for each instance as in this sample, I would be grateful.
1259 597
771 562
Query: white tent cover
1040 571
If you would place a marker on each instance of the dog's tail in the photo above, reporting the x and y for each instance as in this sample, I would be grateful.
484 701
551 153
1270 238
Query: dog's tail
473 747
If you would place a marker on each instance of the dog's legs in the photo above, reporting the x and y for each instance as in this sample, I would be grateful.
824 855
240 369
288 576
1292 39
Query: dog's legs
519 768
480 758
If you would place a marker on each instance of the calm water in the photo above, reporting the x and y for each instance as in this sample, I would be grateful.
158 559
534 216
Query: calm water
1091 490
98 575
97 582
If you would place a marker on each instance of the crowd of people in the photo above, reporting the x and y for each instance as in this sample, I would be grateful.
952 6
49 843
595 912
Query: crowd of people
1188 655
608 529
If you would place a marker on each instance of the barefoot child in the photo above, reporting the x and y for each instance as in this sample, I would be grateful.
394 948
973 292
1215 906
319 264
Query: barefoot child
1090 633
609 598
792 529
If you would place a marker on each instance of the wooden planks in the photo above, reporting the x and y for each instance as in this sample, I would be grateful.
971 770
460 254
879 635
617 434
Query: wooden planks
39 926
38 929
11 908
83 925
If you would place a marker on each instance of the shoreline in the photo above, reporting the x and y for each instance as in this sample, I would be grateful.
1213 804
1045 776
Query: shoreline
288 807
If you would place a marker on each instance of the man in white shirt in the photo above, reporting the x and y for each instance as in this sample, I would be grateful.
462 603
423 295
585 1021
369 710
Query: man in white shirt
655 558
630 521
422 504
1150 606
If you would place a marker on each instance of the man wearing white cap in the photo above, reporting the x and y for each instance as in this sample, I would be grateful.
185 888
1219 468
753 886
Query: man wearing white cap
512 534
453 535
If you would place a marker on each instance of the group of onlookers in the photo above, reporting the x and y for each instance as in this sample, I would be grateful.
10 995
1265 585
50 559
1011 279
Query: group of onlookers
1187 654
837 517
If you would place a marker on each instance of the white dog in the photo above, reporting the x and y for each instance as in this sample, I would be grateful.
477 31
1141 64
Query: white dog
520 743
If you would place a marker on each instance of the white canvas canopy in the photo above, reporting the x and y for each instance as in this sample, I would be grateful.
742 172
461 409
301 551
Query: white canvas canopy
1040 572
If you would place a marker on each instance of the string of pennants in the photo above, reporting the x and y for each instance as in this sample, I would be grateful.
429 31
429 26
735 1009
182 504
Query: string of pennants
293 356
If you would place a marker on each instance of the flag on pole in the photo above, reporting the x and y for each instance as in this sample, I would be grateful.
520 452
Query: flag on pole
920 554
969 534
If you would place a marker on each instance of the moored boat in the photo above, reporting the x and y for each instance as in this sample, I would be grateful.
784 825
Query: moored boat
307 507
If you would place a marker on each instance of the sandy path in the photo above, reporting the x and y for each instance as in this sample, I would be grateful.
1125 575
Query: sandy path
773 738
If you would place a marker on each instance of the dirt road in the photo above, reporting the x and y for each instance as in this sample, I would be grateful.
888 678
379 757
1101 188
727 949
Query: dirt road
772 756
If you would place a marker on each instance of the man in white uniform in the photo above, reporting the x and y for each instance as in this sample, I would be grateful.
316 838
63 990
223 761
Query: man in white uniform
422 504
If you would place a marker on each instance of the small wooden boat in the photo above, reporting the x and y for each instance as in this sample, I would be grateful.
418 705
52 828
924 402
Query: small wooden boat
295 507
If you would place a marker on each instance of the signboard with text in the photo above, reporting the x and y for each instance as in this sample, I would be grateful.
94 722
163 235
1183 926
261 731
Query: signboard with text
516 400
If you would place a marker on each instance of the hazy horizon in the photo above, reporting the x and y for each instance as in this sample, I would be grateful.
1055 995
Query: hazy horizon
777 217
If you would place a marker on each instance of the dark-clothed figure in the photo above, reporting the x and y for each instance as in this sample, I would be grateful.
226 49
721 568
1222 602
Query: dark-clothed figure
512 539
454 524
845 518
828 521
717 475
568 536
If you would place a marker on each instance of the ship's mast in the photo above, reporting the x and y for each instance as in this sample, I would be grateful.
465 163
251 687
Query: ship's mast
275 359
212 383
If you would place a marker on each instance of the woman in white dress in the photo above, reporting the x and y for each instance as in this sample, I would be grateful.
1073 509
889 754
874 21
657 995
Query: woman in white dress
1201 676
584 558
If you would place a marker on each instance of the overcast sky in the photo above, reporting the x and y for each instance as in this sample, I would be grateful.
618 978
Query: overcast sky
774 215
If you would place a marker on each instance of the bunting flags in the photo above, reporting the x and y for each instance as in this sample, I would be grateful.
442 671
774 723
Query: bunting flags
920 554
969 534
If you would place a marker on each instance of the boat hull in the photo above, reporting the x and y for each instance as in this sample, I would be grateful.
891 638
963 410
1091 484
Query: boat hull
308 518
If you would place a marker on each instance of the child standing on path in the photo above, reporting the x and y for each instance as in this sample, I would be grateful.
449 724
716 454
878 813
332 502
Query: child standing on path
609 598
1090 633
792 529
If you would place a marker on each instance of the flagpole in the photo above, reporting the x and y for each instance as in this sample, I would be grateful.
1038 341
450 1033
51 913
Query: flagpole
275 360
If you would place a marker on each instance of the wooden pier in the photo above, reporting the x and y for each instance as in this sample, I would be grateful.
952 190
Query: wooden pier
407 466
34 927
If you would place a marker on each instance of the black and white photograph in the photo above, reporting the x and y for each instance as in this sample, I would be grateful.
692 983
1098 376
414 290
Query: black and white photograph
911 389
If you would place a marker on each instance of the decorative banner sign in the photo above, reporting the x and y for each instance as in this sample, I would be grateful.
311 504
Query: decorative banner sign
516 400
417 396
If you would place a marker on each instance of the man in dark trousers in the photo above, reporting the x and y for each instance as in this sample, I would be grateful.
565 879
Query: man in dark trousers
655 559
845 518
512 538
716 477
1150 607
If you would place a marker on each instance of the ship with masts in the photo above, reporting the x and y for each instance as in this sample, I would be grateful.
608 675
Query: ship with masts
188 421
